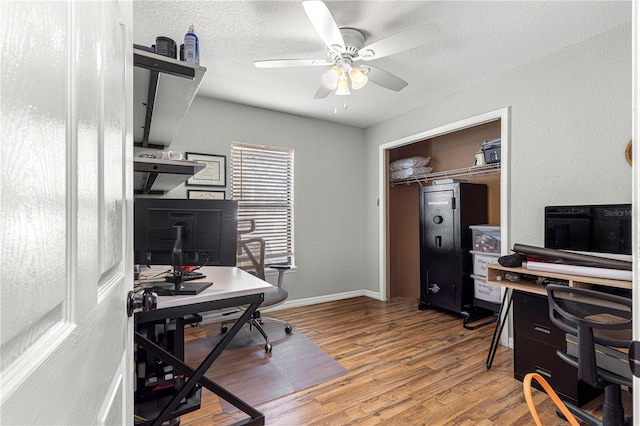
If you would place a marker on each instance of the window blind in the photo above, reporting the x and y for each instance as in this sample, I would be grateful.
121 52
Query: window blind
262 183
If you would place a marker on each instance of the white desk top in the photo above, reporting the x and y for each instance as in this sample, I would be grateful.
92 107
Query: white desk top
228 282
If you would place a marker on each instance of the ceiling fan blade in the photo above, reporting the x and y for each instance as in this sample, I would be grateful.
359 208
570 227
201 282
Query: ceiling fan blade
285 63
385 79
322 92
399 42
323 22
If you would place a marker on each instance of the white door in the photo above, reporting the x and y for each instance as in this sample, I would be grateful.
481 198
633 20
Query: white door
65 208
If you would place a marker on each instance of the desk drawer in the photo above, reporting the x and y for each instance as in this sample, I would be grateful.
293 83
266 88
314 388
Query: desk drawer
530 355
531 319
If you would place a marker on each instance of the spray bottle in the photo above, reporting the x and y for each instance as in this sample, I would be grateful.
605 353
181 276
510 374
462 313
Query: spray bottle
191 47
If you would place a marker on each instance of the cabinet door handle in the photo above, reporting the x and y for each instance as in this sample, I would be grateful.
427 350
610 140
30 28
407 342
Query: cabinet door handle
541 328
438 241
543 372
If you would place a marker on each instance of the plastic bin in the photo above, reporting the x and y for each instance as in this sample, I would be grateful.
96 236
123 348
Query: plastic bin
486 292
481 260
491 150
485 238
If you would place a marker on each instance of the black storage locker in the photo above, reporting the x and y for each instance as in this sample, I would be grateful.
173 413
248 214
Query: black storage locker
446 211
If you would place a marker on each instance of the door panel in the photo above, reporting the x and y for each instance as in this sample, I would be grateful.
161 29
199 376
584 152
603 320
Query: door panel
30 195
66 343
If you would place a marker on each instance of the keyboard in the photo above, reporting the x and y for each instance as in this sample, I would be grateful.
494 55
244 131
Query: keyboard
188 276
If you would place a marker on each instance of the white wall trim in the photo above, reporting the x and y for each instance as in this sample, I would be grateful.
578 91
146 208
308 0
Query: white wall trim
215 317
325 298
503 114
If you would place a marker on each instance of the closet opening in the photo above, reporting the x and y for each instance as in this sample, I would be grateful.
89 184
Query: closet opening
450 148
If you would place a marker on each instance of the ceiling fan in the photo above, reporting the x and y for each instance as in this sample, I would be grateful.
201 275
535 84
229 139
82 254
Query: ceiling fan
346 48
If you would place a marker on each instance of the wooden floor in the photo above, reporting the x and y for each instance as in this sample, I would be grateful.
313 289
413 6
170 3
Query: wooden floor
406 367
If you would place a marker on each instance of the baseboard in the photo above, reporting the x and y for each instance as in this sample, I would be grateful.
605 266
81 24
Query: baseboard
323 299
214 317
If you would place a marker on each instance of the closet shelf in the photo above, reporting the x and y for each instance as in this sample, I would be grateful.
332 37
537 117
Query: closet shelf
466 171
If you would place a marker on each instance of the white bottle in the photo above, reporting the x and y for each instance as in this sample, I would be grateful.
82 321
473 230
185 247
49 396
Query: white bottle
191 47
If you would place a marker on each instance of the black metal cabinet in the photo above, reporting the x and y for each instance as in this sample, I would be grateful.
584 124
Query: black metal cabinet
446 211
536 340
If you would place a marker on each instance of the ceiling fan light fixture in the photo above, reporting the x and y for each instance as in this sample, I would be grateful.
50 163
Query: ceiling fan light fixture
343 86
330 78
358 78
346 47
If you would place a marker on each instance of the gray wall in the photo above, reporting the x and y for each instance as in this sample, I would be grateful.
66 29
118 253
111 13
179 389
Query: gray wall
570 122
329 181
571 118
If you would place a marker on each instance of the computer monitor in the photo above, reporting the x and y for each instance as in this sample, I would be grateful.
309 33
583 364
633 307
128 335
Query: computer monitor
185 233
602 229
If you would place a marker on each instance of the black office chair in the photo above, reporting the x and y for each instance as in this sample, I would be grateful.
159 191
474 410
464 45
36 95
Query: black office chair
254 249
598 325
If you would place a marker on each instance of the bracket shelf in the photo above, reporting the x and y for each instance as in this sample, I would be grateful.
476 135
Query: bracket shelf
157 176
163 90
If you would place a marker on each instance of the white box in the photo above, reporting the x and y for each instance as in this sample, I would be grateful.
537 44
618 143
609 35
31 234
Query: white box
481 260
486 292
485 238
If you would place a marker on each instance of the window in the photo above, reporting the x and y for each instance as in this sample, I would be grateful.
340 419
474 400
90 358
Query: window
262 182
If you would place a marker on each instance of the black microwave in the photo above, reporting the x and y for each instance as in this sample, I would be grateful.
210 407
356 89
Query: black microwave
589 228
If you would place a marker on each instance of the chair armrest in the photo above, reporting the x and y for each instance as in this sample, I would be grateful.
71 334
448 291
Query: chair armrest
278 266
281 268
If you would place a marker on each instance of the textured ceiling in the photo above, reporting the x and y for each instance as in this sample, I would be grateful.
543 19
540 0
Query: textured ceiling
478 39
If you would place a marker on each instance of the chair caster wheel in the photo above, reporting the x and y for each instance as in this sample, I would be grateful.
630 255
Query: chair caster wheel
223 329
267 348
288 329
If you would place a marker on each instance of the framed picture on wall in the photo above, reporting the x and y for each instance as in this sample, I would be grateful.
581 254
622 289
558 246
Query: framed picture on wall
214 172
205 195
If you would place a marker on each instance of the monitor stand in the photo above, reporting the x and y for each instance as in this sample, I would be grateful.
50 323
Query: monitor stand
191 288
182 288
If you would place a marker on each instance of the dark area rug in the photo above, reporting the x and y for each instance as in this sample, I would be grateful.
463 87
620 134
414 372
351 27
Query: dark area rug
244 368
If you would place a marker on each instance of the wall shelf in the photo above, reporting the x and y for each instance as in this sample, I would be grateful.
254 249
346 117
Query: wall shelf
163 89
157 176
457 173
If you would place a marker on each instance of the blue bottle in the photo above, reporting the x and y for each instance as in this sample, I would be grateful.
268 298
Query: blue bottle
191 47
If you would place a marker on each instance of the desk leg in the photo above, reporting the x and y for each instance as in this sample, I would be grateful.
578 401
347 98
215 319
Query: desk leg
197 376
497 331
